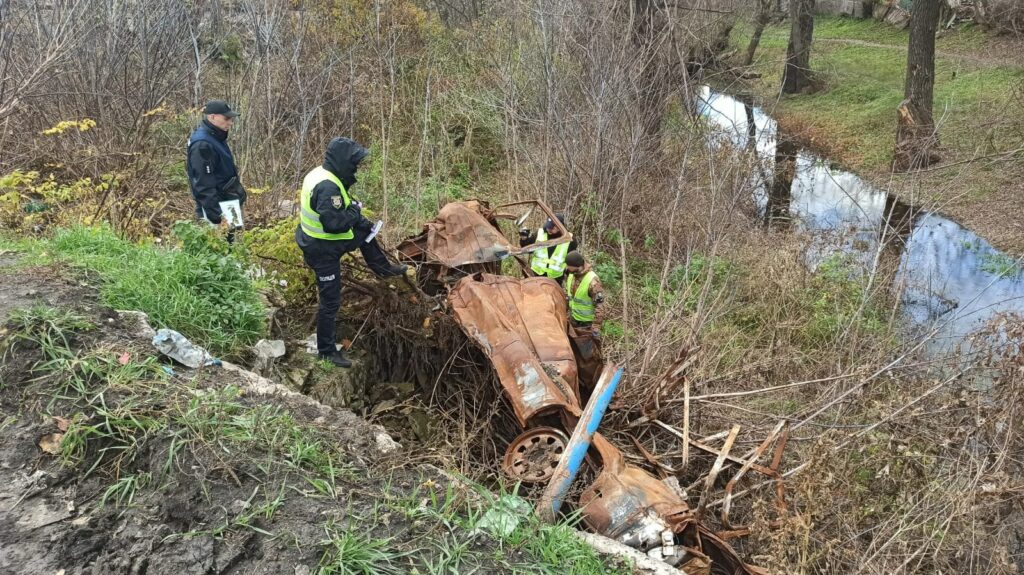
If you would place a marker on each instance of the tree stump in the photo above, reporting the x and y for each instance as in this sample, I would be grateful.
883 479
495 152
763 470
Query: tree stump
917 140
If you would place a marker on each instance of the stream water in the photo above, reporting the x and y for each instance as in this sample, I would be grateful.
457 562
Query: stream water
950 281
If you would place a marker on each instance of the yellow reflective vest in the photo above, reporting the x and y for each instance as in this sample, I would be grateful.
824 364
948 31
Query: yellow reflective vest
552 266
309 219
580 303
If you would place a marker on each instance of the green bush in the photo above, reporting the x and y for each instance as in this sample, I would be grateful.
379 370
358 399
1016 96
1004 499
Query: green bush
275 249
197 288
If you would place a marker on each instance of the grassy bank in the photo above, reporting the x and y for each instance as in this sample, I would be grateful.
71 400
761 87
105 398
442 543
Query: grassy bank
196 287
216 474
979 97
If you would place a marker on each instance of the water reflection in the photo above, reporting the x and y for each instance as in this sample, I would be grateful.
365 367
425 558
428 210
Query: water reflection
948 279
780 195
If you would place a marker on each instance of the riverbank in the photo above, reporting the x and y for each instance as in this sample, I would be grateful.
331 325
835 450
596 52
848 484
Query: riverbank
979 102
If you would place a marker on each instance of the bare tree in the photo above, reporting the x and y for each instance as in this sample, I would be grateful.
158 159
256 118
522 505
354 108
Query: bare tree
796 76
34 39
761 19
459 12
916 136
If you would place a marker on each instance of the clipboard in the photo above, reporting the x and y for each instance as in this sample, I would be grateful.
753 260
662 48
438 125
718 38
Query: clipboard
231 211
374 231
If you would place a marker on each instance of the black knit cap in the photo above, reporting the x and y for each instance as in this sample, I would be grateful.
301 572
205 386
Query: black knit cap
574 259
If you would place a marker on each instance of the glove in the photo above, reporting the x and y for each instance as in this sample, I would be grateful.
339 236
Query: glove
233 190
524 233
363 225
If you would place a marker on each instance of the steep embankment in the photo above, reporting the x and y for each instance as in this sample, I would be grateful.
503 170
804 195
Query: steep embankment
113 461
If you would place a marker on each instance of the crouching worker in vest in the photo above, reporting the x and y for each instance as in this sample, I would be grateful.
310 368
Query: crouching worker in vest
548 262
584 291
331 224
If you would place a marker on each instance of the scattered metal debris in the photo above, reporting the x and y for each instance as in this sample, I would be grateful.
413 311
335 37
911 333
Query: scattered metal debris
521 325
465 238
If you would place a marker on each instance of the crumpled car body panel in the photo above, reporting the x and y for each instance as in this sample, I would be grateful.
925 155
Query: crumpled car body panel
463 233
529 350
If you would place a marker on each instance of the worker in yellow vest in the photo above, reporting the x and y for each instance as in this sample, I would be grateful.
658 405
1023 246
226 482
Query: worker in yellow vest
331 224
550 261
585 293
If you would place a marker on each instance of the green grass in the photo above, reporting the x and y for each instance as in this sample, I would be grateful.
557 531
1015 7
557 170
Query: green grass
198 289
1000 264
355 553
138 430
47 328
857 29
864 85
116 407
444 516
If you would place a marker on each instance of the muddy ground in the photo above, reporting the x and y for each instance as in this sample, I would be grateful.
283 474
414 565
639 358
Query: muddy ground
160 489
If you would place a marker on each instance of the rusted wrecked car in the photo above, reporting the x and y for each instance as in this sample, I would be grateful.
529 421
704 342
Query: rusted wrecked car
521 324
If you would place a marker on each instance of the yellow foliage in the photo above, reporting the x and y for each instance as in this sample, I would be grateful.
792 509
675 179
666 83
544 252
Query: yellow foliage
161 109
28 199
278 253
83 125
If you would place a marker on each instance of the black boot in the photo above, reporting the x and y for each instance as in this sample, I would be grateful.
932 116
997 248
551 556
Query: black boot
337 358
393 270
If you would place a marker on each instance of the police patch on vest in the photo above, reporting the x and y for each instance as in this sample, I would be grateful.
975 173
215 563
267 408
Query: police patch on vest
336 200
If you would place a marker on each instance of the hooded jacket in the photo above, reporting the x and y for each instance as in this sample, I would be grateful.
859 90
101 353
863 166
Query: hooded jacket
341 159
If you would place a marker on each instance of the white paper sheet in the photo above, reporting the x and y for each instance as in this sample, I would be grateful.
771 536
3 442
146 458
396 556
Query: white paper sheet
232 213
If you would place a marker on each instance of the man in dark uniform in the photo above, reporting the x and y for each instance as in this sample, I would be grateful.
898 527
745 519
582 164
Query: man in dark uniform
331 224
212 175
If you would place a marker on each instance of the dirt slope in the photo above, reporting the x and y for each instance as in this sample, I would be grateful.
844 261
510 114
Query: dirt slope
111 465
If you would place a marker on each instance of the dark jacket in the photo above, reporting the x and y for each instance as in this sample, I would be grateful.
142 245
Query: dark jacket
341 159
212 175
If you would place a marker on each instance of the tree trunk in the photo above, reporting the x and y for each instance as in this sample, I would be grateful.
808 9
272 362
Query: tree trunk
916 136
655 77
764 15
796 76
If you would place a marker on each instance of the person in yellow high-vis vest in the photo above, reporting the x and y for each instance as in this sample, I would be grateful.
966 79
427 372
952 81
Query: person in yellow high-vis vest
584 290
585 293
331 224
550 261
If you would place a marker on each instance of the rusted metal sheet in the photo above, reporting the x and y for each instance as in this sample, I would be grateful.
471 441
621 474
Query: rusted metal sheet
467 233
630 505
463 233
520 325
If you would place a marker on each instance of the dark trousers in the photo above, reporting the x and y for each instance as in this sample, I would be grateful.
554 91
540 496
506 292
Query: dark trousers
326 263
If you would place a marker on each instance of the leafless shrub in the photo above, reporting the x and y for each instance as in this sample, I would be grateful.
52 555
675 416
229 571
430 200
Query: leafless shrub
1001 15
